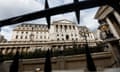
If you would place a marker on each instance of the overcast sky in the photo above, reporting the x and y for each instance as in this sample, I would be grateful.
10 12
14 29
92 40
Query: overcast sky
11 8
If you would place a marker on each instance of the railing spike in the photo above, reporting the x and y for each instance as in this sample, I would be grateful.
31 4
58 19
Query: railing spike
76 1
48 17
48 21
46 4
77 16
77 12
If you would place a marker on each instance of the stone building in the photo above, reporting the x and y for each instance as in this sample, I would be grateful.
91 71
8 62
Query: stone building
62 34
28 37
62 30
109 30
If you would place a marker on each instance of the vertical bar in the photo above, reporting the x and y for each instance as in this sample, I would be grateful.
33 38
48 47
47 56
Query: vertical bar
90 63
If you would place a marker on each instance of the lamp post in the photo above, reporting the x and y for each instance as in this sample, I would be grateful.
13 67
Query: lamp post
90 64
105 29
111 41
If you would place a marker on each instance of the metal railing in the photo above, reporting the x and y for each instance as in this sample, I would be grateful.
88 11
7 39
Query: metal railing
76 6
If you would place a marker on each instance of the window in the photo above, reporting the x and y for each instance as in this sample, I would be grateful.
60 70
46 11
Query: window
57 34
40 37
71 34
76 39
56 26
16 36
22 32
67 37
62 38
21 37
44 37
57 39
72 39
25 37
26 32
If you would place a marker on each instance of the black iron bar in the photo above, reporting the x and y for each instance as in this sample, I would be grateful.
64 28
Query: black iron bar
90 63
53 11
115 4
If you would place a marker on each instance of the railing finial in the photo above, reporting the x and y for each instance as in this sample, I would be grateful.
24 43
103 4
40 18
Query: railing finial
48 18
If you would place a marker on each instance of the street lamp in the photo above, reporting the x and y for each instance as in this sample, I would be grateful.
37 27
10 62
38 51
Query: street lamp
111 41
105 30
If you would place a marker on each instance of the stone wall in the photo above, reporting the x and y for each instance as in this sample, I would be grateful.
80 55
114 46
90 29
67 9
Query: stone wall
77 62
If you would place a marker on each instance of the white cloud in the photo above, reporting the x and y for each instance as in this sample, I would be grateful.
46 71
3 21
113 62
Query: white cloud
10 8
87 18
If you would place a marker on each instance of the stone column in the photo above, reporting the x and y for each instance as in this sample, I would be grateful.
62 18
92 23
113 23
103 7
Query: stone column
112 27
117 16
3 51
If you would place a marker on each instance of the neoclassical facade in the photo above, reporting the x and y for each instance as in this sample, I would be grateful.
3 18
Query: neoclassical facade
62 33
62 30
